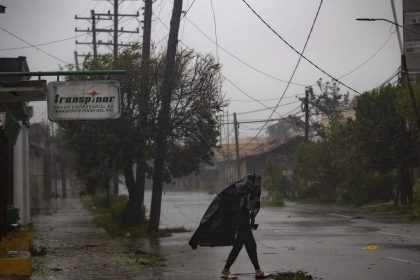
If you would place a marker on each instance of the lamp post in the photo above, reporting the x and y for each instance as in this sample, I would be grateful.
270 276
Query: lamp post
404 71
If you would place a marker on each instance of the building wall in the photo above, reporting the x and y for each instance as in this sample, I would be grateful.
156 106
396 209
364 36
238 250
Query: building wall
411 18
409 5
21 198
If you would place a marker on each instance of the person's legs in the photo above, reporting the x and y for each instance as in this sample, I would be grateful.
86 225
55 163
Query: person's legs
237 247
251 249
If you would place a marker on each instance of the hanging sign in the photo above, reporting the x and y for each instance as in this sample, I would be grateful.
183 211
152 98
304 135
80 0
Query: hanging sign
84 100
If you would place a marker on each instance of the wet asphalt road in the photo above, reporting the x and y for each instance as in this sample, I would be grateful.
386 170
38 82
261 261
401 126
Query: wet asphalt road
326 242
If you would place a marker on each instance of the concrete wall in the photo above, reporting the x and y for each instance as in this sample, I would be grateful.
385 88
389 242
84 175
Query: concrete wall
21 198
411 5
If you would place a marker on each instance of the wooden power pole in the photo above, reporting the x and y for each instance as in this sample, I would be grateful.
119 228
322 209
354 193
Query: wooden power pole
238 163
164 118
116 31
307 114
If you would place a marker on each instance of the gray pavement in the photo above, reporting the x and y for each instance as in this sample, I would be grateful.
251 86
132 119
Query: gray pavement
326 242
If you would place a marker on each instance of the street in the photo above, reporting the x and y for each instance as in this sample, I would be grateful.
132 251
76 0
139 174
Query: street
328 243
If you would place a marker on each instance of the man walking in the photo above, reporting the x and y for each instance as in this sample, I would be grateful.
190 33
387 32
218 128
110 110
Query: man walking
229 220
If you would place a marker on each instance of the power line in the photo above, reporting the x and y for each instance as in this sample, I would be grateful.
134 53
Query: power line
215 31
265 109
42 44
226 78
295 50
262 100
189 8
243 92
231 54
370 58
239 59
50 55
50 42
294 70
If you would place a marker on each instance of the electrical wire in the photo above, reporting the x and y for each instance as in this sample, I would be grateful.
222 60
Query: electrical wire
226 78
370 58
44 52
43 44
294 71
231 54
215 31
243 92
189 8
295 50
239 59
262 100
265 109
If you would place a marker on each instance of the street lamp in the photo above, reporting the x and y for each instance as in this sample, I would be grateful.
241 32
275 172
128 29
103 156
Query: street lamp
389 21
403 65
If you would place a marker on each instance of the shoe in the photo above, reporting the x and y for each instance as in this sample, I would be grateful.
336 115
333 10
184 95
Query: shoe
261 275
228 275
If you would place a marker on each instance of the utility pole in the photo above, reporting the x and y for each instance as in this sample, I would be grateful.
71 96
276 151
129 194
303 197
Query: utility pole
238 164
307 90
164 118
116 31
76 60
228 145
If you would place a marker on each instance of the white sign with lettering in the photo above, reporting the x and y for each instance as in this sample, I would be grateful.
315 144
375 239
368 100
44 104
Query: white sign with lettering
84 100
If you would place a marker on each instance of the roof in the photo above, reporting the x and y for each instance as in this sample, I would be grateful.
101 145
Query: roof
257 149
14 64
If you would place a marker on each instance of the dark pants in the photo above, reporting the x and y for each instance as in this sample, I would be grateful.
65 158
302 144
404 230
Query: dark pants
245 237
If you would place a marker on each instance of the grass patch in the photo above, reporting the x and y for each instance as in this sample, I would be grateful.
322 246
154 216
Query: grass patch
109 217
147 259
166 232
38 251
299 275
274 199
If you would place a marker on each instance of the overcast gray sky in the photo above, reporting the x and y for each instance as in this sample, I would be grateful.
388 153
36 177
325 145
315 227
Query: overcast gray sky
338 43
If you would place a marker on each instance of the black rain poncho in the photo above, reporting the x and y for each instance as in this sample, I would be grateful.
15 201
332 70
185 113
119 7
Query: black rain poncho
218 225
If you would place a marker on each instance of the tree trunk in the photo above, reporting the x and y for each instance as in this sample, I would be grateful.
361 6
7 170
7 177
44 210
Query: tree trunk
141 178
115 183
63 179
132 215
144 99
406 186
163 119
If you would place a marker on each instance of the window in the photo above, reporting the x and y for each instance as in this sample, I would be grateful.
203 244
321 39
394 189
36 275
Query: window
412 46
412 17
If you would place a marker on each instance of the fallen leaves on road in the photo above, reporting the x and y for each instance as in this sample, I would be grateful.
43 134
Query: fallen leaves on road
299 275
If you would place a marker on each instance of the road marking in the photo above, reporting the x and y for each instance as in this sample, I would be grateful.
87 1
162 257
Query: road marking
371 247
401 260
400 235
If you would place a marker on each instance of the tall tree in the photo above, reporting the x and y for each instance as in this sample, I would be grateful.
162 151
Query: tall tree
327 106
164 118
136 200
114 145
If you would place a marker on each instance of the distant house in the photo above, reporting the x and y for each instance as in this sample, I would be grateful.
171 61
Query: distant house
346 112
253 159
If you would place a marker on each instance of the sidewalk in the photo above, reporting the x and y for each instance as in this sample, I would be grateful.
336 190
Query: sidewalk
76 249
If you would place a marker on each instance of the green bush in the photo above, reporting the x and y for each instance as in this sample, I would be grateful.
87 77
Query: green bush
368 187
275 184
